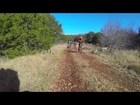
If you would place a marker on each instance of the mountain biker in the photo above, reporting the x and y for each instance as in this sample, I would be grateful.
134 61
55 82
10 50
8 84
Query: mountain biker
68 44
80 42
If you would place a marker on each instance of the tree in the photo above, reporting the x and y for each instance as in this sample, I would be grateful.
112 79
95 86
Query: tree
138 38
110 33
116 37
27 33
96 38
89 36
65 38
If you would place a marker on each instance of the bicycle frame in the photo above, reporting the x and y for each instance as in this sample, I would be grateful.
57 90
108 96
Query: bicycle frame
80 48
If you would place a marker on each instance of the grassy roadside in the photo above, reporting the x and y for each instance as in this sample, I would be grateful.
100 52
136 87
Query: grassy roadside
97 80
126 62
36 72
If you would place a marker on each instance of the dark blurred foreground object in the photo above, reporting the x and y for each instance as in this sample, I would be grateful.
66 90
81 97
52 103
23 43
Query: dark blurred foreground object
9 81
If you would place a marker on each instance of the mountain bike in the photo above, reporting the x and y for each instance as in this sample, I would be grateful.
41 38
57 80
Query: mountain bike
80 48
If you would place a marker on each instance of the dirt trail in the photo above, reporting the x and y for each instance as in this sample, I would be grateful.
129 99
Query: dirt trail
89 75
69 80
105 77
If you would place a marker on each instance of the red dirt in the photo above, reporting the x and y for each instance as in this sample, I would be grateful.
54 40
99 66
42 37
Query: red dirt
111 74
69 80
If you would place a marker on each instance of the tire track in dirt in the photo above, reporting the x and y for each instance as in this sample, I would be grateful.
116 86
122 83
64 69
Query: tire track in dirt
106 72
69 80
102 77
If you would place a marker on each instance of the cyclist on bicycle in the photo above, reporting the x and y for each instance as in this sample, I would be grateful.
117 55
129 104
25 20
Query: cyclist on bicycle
68 44
80 42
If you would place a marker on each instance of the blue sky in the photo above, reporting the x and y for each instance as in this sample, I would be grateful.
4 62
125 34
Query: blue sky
80 23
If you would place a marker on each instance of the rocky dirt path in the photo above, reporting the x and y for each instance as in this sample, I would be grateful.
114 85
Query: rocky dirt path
69 80
82 72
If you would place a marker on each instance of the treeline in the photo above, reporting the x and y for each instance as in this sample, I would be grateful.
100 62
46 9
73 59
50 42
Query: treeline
28 33
65 38
91 37
114 37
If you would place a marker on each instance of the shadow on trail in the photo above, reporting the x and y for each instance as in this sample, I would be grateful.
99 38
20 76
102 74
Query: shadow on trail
25 91
72 51
9 81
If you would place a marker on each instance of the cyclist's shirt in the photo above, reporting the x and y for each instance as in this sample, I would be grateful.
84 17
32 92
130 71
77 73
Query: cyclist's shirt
80 41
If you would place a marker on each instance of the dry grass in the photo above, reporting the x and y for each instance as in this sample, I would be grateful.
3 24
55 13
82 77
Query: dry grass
126 62
97 81
36 72
88 47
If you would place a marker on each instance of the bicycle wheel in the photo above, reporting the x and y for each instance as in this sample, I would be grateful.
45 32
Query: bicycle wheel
80 50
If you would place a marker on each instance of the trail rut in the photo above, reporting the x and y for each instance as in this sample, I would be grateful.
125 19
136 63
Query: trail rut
84 73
